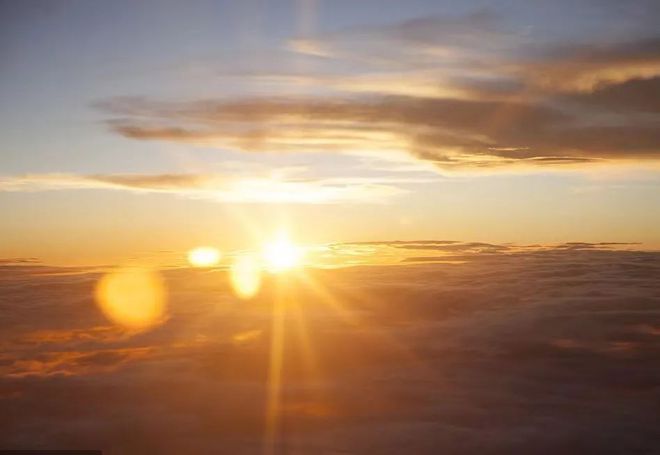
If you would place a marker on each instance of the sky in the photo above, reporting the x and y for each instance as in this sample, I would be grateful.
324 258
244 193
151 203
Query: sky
133 129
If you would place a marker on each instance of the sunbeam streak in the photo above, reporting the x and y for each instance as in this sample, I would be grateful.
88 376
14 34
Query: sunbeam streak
272 436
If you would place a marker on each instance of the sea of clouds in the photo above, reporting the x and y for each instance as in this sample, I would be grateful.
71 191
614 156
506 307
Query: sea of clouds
454 348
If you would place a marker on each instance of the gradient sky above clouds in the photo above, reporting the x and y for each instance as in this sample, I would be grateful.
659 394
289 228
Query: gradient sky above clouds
128 128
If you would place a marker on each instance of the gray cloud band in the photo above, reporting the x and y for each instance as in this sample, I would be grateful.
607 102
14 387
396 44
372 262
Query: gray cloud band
461 93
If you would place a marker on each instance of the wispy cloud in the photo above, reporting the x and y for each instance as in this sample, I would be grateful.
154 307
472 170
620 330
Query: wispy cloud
274 188
464 92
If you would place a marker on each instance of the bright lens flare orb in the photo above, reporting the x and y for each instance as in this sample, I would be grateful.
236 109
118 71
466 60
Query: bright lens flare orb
245 276
133 297
204 256
282 255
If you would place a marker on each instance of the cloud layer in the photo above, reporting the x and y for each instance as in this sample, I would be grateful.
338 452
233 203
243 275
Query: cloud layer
504 350
278 187
460 92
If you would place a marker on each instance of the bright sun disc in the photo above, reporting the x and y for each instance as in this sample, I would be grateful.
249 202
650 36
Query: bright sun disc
282 255
204 256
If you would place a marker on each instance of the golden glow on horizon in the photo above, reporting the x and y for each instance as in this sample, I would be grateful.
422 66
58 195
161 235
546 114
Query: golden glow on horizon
133 297
281 255
245 276
204 256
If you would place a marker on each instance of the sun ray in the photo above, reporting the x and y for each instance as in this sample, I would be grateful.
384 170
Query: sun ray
328 298
312 368
275 368
282 258
352 318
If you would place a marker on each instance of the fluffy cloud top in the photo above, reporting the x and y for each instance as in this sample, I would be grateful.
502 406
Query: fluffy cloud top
504 350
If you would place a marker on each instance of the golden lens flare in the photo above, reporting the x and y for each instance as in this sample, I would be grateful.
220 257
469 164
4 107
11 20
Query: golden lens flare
282 255
204 256
133 297
245 276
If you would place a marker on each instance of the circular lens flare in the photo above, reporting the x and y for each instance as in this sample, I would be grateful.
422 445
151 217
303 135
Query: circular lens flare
245 276
204 256
133 297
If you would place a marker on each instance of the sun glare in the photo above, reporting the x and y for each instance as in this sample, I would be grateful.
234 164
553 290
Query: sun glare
204 256
282 255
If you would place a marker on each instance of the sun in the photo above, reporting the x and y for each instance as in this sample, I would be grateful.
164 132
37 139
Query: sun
281 255
204 256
